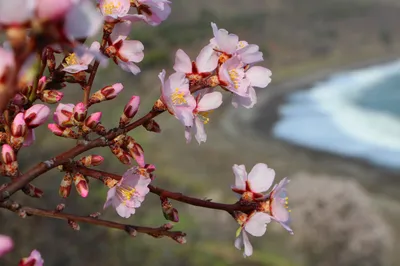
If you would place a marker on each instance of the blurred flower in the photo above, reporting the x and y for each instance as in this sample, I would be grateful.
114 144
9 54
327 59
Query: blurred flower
74 64
254 224
7 63
176 96
125 52
34 259
6 244
153 12
129 193
16 12
36 115
251 186
204 106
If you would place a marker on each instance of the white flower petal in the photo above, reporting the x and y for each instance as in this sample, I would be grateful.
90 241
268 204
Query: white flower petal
248 248
240 176
210 101
257 224
261 178
207 60
182 62
200 133
259 76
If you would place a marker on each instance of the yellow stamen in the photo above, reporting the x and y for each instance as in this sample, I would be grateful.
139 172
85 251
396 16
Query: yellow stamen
241 44
178 97
111 7
234 75
126 192
71 60
203 116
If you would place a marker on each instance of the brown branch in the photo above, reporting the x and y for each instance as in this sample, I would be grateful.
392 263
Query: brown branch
65 157
130 229
230 208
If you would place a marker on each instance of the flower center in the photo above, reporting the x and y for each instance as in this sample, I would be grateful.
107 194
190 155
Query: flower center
203 116
111 7
178 97
223 57
241 44
248 196
235 77
71 60
126 192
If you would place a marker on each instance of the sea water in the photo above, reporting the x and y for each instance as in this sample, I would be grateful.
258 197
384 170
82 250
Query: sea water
355 113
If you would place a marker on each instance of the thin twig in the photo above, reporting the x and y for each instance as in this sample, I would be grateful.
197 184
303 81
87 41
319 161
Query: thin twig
130 229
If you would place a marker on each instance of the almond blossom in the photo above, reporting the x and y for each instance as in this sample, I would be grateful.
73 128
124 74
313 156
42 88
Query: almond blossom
113 10
202 67
74 63
254 224
251 186
153 12
34 259
128 193
176 96
9 16
64 114
36 115
125 52
227 45
6 244
204 105
278 205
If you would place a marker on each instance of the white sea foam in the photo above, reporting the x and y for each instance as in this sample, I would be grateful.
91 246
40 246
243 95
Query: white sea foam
329 116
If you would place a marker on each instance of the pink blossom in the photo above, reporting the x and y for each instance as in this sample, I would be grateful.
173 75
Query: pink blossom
82 11
16 12
36 115
176 96
204 62
278 204
113 10
129 193
80 111
74 64
227 45
53 10
6 244
232 77
252 185
34 259
204 105
153 12
125 52
258 77
7 63
63 114
254 224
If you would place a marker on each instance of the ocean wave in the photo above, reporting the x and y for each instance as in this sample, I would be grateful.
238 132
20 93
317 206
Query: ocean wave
355 113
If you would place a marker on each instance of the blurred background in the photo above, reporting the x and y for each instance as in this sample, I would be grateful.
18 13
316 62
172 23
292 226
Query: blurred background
330 121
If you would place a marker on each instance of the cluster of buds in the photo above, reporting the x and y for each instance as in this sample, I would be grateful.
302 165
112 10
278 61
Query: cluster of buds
78 179
125 148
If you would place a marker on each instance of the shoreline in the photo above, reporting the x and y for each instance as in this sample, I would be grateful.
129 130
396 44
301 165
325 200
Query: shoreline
287 158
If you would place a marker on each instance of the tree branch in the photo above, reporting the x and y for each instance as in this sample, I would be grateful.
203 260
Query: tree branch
130 229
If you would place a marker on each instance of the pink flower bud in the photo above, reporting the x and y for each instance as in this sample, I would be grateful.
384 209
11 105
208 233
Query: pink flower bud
63 115
20 99
6 244
51 96
91 160
130 110
8 154
18 126
80 112
122 156
62 131
106 93
93 120
65 186
135 151
42 83
169 212
36 115
81 185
